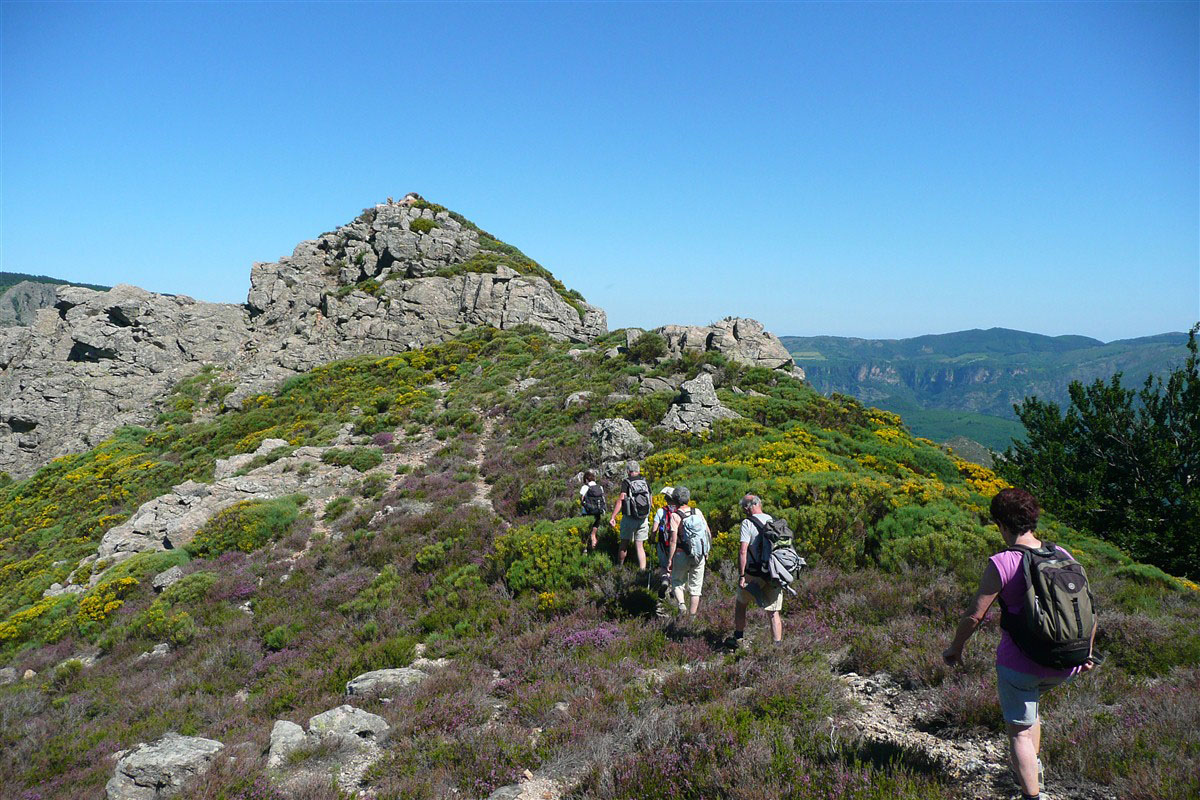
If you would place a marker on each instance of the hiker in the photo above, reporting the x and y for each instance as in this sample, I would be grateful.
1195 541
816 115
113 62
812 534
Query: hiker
754 587
634 503
593 502
661 531
690 543
1028 665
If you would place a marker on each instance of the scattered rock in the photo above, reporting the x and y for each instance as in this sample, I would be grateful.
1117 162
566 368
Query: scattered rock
160 651
346 720
697 407
655 385
28 675
8 675
384 680
548 469
577 399
286 738
159 770
617 439
166 578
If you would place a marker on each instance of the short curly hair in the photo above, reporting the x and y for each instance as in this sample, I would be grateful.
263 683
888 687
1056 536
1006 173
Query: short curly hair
1016 509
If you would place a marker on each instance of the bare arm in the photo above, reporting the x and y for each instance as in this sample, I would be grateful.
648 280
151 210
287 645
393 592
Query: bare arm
989 587
673 538
612 520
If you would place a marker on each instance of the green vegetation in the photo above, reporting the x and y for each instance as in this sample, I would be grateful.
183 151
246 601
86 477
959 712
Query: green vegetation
422 225
1121 464
360 458
10 279
648 348
894 528
965 383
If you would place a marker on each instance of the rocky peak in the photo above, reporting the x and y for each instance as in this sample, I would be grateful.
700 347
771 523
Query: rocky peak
22 300
399 276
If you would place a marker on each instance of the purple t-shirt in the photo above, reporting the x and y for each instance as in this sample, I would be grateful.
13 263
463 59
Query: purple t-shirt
1013 594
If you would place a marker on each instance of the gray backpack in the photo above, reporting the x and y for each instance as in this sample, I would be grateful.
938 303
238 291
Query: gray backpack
694 538
772 556
1055 626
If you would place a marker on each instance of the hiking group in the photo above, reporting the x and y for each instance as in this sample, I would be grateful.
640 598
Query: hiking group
1048 621
767 559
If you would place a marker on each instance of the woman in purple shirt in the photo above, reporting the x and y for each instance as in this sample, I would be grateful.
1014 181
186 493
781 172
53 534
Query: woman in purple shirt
1020 681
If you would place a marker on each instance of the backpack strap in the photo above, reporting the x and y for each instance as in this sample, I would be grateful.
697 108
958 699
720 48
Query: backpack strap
762 526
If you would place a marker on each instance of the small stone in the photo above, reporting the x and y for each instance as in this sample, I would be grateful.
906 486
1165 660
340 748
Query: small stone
166 578
286 738
8 675
29 675
382 680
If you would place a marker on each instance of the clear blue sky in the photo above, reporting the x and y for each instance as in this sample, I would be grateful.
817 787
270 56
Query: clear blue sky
853 169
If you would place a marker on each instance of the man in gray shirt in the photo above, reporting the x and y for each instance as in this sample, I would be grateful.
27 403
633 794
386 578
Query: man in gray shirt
753 588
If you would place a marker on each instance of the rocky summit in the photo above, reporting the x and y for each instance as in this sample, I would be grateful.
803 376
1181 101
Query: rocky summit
76 364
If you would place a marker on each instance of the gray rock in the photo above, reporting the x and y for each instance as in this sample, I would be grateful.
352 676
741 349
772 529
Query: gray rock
166 578
617 439
20 303
346 721
742 340
8 675
160 651
384 680
286 738
697 407
577 399
158 770
655 385
92 361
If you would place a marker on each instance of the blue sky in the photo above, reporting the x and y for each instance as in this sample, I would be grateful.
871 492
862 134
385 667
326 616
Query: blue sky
852 169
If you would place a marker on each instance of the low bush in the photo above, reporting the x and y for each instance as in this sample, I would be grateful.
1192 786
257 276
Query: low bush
246 526
546 556
358 458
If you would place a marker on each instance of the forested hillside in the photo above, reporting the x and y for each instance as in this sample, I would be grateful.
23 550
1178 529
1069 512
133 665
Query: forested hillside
966 383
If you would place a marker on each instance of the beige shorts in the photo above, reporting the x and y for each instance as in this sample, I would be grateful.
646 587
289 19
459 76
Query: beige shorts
767 596
635 530
687 573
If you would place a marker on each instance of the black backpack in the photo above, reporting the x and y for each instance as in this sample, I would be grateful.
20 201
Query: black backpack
1055 627
594 501
637 498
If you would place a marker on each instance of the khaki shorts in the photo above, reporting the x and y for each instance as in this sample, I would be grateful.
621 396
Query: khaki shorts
767 596
635 530
688 574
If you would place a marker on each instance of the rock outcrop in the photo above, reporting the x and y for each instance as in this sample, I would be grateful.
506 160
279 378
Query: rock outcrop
20 302
159 770
697 407
399 276
617 440
99 360
343 741
742 340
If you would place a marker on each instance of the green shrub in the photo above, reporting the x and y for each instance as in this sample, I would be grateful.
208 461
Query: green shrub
547 556
422 225
359 458
648 347
247 526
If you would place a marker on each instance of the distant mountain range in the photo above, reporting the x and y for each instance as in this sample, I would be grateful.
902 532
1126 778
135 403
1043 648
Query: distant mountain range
966 383
10 279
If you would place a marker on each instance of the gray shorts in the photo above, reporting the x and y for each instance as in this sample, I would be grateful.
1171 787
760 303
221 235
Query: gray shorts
1020 693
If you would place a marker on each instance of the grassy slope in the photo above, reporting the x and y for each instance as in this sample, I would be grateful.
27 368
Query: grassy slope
9 279
894 527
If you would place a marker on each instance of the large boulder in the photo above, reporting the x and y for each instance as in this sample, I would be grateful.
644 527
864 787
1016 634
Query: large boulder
159 770
348 721
741 340
286 738
617 440
697 407
20 303
384 680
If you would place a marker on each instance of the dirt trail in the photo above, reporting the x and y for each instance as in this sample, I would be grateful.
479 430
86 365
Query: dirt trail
890 716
